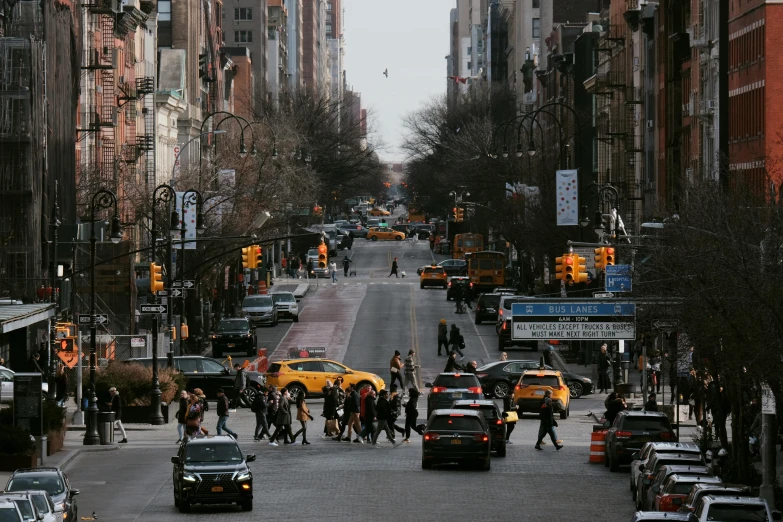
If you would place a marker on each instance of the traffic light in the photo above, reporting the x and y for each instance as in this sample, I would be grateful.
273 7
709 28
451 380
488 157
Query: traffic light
247 257
564 267
259 256
323 257
609 257
580 269
156 277
65 345
600 258
455 213
460 214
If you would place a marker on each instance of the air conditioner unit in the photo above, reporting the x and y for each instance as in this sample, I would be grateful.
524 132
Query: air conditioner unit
710 105
650 124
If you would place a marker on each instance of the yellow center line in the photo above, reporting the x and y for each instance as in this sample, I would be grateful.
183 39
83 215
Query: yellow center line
415 337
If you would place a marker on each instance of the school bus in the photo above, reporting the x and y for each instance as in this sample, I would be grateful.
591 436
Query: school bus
486 270
466 243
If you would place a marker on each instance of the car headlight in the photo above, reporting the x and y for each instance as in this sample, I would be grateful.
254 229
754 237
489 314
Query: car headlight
245 475
189 477
588 380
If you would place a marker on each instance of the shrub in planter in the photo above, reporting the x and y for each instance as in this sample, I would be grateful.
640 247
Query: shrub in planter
134 382
53 418
15 440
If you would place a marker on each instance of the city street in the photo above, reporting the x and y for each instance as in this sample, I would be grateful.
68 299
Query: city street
361 321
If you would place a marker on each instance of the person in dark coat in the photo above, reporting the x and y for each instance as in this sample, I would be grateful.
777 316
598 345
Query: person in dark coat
283 421
452 365
240 383
384 415
351 412
604 367
222 413
443 336
182 414
412 414
370 416
330 405
547 422
259 408
456 341
116 407
61 383
509 406
471 367
394 269
615 407
651 404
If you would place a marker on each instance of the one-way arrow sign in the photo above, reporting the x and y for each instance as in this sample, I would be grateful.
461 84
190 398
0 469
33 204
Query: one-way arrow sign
188 283
154 308
175 292
99 319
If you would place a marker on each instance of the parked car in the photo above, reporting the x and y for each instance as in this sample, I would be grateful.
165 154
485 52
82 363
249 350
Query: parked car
686 464
448 387
233 335
212 470
456 436
353 230
25 506
209 375
9 511
650 449
734 508
494 419
699 490
7 385
453 267
260 309
630 430
677 487
35 505
499 378
287 307
51 480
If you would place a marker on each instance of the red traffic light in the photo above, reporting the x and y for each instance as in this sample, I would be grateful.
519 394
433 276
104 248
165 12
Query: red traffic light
322 248
569 260
610 250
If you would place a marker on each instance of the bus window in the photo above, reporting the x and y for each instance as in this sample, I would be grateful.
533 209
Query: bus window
459 243
499 264
486 264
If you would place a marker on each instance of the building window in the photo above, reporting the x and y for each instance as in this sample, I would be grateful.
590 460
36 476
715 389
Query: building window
329 6
470 51
243 36
536 28
164 10
536 4
243 13
328 28
470 65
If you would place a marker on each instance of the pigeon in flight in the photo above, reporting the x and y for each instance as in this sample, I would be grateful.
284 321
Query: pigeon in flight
386 73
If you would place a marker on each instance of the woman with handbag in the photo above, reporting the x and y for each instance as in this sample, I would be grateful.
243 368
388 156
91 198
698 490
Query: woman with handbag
182 414
510 415
302 415
193 418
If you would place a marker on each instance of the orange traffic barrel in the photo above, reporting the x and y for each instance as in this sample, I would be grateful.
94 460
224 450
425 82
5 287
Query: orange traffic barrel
598 447
262 287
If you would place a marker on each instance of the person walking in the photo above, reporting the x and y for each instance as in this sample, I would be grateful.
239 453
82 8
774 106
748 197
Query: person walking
116 407
240 383
412 414
432 241
452 365
284 266
283 420
394 269
458 296
310 272
547 422
651 404
443 337
333 271
410 372
395 405
395 368
302 415
330 408
203 406
370 415
509 407
456 341
222 413
61 383
351 408
273 402
182 415
346 265
259 408
384 416
192 418
604 367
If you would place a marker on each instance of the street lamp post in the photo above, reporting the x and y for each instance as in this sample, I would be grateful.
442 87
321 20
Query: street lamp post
190 197
103 199
51 395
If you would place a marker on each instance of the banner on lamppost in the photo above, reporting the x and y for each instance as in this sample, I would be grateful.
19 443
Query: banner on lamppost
567 190
190 221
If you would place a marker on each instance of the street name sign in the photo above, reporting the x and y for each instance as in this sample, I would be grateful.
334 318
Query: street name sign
573 320
618 278
99 319
154 308
187 284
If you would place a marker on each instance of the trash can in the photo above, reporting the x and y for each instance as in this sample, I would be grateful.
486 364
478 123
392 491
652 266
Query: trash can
106 427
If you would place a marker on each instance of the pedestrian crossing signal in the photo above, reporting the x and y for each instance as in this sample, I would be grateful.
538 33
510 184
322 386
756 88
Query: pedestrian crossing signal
65 345
323 257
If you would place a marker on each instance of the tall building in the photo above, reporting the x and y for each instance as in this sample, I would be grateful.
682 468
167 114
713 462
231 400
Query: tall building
315 50
245 25
277 57
295 44
334 38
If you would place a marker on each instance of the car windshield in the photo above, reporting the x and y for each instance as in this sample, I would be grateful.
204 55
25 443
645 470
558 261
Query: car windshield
467 380
491 301
213 453
24 506
232 325
40 503
8 514
257 301
49 482
646 424
433 270
540 380
489 412
283 298
737 513
444 423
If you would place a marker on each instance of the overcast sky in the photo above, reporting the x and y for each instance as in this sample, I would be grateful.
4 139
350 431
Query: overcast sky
411 39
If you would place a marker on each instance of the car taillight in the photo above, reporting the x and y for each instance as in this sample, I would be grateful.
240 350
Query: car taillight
667 435
480 437
520 386
561 388
504 325
500 312
431 436
624 434
499 422
475 389
439 389
274 374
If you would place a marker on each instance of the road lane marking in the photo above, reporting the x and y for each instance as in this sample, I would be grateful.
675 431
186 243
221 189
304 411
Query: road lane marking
480 339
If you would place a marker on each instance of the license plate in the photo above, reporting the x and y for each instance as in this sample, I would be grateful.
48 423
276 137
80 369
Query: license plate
217 489
230 345
456 395
491 310
433 277
456 441
539 392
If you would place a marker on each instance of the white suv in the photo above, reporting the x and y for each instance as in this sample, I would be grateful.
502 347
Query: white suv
734 508
9 512
286 304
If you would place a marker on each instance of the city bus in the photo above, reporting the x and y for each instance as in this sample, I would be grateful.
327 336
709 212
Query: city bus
487 270
466 243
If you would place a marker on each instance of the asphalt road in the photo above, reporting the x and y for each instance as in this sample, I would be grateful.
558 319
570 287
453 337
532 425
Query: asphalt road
367 317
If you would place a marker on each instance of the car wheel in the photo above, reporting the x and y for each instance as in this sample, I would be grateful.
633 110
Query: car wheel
247 505
248 397
397 238
295 390
426 464
374 238
296 318
421 285
575 389
613 466
487 465
477 320
184 506
502 449
564 413
501 389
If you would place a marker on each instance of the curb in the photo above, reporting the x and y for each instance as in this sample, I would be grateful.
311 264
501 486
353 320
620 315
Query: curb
72 454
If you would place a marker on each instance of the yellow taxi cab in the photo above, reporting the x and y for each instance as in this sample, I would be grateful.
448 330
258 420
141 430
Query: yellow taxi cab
376 233
531 388
433 276
378 212
311 375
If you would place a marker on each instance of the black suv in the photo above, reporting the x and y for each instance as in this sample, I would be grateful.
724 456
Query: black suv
51 480
212 470
503 325
456 436
459 281
631 430
209 375
494 419
449 387
233 335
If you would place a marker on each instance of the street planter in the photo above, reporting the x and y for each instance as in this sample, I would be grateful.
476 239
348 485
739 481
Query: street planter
14 462
55 441
141 414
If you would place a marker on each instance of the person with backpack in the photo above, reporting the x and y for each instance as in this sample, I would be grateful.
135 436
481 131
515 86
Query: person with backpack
259 408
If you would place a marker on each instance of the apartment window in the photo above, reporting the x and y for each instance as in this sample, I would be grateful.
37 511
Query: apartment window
164 10
536 4
536 28
243 36
329 6
243 13
328 28
470 65
470 51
